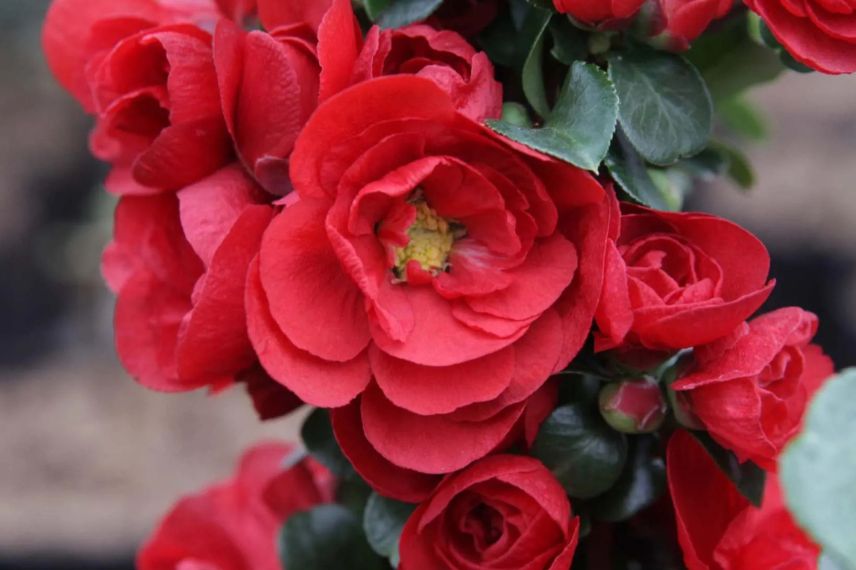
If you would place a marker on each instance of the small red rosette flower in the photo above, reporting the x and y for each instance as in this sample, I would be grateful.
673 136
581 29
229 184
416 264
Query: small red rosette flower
677 280
718 529
750 389
595 12
679 22
506 511
149 78
818 33
271 82
447 273
444 57
178 264
233 525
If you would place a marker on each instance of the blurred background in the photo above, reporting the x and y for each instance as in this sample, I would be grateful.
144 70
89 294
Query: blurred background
90 460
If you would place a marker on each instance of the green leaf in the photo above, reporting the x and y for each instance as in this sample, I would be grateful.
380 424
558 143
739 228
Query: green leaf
642 482
317 435
818 469
569 42
383 522
629 171
584 454
739 167
665 109
748 477
580 127
328 536
741 117
828 561
403 12
353 493
533 71
375 7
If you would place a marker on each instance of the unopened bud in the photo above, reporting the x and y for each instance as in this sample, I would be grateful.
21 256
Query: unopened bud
633 406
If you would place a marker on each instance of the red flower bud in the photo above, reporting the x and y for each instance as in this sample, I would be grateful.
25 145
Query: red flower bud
633 406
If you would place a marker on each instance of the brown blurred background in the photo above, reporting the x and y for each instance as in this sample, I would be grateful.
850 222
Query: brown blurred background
90 459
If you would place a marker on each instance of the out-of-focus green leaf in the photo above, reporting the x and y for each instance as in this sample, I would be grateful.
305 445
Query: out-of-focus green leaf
742 117
403 12
383 521
747 477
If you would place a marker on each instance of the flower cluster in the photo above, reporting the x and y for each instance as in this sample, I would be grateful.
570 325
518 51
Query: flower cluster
364 219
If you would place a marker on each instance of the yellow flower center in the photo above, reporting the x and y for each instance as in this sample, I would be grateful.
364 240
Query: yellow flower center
431 240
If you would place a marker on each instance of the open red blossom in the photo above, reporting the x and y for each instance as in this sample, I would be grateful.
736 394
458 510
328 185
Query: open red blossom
178 264
676 280
442 56
750 389
151 84
233 525
505 511
719 529
448 273
818 33
270 83
599 11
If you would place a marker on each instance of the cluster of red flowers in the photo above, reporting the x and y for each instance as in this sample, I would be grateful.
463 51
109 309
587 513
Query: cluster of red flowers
322 216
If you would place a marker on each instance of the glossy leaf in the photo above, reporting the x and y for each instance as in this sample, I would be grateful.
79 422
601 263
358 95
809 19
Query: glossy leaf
317 436
581 125
328 536
403 12
533 70
642 482
629 171
584 454
665 109
818 470
383 522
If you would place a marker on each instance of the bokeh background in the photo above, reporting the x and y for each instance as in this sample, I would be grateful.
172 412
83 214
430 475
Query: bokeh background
89 460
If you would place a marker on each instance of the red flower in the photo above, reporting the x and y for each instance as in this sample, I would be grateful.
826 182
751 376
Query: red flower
178 264
505 511
271 82
599 11
434 260
676 280
682 21
442 56
718 528
750 389
818 33
233 525
152 86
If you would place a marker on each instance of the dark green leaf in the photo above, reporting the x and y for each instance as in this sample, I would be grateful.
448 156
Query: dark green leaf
739 168
748 477
629 171
375 7
403 12
328 536
569 42
353 493
580 127
584 454
642 482
665 109
818 469
543 4
792 64
317 435
533 69
383 521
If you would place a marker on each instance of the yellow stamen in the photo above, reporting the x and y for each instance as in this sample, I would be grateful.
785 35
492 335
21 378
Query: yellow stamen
431 240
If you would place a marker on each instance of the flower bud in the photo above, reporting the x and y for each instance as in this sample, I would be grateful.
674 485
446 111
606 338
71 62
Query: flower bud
633 406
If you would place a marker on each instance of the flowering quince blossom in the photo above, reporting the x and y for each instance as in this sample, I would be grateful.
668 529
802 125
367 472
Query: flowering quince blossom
442 56
719 529
504 511
599 11
233 524
818 33
449 273
675 280
750 389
